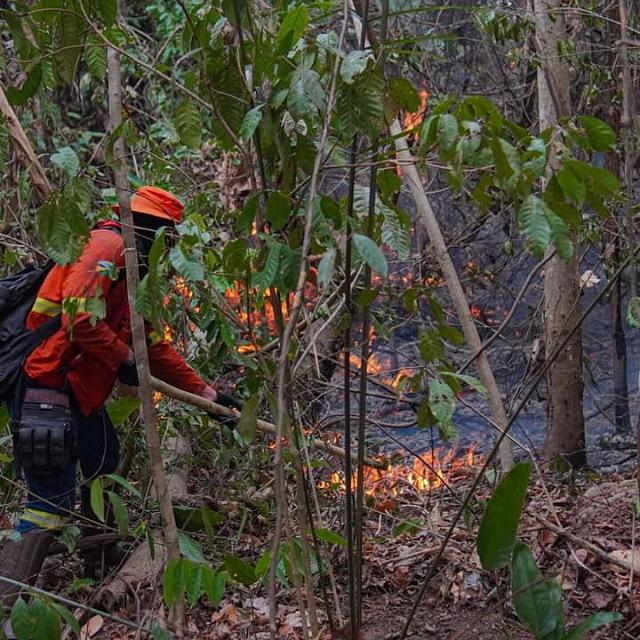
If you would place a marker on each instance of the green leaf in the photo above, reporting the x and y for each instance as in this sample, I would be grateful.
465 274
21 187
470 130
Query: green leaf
533 222
559 234
67 616
22 623
189 548
196 519
173 581
69 36
47 621
193 582
404 94
19 97
601 136
499 525
354 63
331 537
124 483
599 181
292 28
120 512
190 269
67 161
265 278
277 210
474 383
593 622
69 537
95 55
442 404
214 585
97 499
573 188
248 422
189 123
239 570
535 601
447 131
371 253
107 10
326 267
119 410
250 122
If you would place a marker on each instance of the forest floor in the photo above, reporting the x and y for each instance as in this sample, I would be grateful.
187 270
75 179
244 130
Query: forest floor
581 533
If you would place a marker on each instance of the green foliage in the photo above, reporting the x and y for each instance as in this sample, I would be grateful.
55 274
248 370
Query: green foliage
40 620
370 253
96 496
248 422
499 526
189 123
96 57
66 159
442 404
62 226
240 570
184 577
537 601
291 28
120 409
69 38
250 122
19 97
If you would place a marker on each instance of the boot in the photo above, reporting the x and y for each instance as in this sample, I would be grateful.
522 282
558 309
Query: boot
21 560
98 559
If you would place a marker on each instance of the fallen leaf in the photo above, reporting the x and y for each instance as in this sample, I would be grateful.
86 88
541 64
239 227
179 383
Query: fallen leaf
91 627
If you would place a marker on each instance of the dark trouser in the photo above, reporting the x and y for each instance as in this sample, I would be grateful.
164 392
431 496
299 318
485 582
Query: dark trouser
52 495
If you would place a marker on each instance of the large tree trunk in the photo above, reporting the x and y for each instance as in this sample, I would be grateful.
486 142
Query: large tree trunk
565 419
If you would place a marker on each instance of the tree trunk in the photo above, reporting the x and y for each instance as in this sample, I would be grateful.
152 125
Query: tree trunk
565 420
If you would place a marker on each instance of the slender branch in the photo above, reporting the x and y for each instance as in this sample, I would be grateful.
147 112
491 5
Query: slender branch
137 323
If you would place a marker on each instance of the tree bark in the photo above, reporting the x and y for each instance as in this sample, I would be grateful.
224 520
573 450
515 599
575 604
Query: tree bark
565 420
137 323
25 152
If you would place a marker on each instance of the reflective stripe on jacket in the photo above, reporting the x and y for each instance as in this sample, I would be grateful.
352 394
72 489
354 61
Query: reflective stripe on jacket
87 350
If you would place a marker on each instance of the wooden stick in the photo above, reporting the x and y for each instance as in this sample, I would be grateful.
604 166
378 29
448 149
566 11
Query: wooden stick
589 546
24 150
263 426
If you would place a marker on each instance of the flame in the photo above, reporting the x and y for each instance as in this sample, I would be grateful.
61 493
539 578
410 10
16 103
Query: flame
262 321
414 120
433 470
380 367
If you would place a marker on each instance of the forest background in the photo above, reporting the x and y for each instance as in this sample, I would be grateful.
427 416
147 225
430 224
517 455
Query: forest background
408 224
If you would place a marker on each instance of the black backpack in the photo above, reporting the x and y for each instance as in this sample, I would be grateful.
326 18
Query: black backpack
17 295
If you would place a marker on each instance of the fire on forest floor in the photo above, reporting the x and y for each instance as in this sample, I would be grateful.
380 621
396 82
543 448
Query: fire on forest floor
432 470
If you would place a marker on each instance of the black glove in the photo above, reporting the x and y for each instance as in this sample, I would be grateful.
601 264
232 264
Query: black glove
228 401
128 374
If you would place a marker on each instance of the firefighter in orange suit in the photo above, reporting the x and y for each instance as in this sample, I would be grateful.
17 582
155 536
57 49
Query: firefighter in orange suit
58 413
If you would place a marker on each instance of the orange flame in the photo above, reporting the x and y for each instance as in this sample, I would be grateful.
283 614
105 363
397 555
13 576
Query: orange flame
433 470
381 368
414 120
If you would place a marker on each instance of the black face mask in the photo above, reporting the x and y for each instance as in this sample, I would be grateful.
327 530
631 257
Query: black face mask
146 228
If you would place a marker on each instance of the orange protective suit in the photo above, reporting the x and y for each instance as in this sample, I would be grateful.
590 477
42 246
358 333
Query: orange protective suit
85 352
